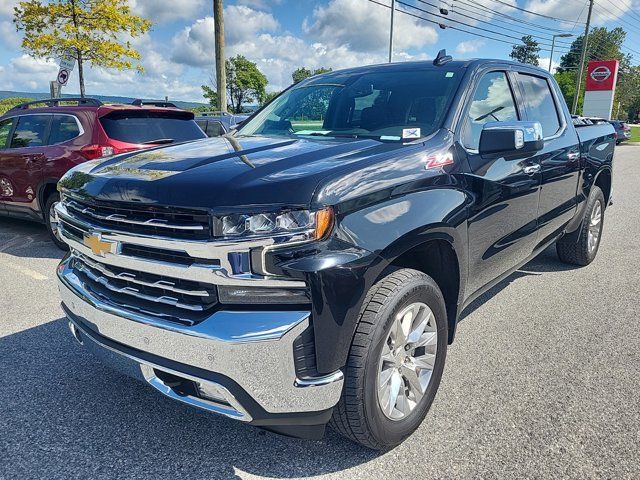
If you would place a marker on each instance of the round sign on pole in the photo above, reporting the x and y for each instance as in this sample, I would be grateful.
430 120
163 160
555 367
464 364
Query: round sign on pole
63 76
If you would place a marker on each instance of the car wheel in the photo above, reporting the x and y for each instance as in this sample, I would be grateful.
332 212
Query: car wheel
581 247
395 362
51 221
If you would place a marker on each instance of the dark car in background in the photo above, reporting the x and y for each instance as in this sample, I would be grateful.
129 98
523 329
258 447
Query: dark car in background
623 131
40 141
215 124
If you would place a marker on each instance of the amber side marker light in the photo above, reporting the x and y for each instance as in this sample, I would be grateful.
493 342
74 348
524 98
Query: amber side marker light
324 223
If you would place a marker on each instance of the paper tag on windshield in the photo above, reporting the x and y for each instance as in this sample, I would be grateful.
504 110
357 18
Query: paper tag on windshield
410 133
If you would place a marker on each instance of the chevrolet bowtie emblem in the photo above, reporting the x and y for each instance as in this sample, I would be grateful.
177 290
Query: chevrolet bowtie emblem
98 246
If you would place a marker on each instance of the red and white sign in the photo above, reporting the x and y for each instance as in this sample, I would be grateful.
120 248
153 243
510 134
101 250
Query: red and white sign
600 88
63 76
602 75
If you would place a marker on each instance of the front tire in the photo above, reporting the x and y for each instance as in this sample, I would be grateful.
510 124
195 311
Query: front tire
395 362
581 247
51 221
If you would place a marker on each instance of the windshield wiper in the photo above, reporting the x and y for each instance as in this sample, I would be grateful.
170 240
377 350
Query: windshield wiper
159 141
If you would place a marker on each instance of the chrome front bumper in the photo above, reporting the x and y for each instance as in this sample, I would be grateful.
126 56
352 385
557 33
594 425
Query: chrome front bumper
254 349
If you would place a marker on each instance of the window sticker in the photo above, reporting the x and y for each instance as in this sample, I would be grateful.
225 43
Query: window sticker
410 133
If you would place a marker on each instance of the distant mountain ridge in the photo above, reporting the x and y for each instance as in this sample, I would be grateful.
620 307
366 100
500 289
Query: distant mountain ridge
103 98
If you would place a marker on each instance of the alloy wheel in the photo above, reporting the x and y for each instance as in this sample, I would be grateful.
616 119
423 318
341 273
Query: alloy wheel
407 361
595 226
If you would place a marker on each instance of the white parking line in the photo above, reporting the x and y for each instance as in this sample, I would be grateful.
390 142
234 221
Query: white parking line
23 270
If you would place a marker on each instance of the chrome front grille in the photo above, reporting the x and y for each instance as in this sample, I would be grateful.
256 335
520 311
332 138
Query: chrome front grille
161 275
178 300
177 223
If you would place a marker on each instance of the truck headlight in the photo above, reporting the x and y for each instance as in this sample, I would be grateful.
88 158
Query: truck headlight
310 225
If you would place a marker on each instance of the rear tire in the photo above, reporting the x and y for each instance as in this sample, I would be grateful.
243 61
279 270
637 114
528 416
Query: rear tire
51 221
365 413
580 248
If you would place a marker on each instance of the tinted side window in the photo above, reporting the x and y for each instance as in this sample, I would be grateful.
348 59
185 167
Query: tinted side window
30 131
5 128
492 102
214 129
539 103
63 128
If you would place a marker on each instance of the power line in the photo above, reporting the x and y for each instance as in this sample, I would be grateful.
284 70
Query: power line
464 24
484 10
537 35
534 13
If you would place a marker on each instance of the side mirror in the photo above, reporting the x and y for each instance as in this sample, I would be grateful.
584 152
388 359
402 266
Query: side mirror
511 138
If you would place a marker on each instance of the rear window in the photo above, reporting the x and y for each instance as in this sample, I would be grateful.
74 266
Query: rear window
150 127
30 131
63 128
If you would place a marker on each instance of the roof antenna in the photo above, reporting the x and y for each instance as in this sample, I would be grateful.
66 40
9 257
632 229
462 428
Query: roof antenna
442 58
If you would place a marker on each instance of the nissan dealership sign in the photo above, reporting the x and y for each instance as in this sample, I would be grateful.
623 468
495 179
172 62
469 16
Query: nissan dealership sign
600 88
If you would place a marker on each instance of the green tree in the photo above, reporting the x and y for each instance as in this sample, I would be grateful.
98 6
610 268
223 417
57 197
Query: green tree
605 44
245 82
210 95
567 83
269 96
7 104
528 52
301 73
89 30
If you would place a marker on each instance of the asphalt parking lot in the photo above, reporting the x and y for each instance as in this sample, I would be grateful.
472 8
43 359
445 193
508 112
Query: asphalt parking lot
543 381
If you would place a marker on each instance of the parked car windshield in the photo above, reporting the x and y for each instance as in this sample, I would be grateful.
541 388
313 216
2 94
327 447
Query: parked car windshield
150 127
388 105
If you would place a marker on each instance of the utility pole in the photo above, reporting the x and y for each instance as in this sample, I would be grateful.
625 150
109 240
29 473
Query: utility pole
221 76
393 9
585 40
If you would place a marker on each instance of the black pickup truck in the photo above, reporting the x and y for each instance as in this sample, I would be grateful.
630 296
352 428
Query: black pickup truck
310 268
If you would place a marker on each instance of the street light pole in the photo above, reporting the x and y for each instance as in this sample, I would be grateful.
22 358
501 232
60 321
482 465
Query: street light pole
553 43
393 9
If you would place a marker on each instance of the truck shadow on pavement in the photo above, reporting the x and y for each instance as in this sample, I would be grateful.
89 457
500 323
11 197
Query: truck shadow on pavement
65 415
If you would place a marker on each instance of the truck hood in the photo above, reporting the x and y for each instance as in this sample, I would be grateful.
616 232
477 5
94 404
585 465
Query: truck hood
223 172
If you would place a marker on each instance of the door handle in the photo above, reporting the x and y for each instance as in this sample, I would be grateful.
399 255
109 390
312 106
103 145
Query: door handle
573 156
532 169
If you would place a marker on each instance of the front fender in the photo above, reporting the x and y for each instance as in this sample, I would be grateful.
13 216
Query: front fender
365 243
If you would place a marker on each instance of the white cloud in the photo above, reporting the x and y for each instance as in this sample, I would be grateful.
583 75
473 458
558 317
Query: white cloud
162 11
365 28
469 46
259 4
195 44
256 35
25 72
576 11
543 62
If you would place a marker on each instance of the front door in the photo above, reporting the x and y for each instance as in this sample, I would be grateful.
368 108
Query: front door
502 221
23 161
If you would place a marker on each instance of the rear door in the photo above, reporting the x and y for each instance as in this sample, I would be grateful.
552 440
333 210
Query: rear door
559 161
502 221
23 161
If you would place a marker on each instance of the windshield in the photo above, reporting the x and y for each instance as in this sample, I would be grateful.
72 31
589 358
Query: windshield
391 105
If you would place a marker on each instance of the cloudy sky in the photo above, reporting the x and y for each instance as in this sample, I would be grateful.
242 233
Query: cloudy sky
281 35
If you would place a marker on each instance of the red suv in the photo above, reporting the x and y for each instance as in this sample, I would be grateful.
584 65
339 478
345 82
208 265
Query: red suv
39 144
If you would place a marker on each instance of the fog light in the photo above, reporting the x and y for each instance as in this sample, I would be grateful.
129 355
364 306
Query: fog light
210 392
